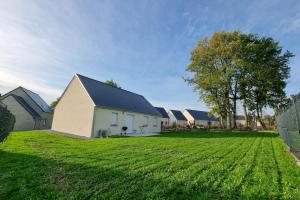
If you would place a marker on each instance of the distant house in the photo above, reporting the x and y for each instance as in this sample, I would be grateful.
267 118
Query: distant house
30 110
176 117
165 120
240 120
201 118
88 107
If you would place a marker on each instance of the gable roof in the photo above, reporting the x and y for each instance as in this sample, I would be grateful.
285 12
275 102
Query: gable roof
163 112
38 100
178 115
201 115
105 95
34 97
25 105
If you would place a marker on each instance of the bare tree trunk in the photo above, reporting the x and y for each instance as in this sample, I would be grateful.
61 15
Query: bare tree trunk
259 113
228 115
234 113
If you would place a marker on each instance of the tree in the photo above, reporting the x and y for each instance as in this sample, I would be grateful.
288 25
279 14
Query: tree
112 83
266 73
232 66
7 122
54 103
213 68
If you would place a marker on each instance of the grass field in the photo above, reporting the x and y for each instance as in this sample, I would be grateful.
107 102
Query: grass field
41 165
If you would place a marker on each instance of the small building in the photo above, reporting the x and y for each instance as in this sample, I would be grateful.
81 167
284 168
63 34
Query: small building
200 118
177 118
30 110
240 121
89 107
165 120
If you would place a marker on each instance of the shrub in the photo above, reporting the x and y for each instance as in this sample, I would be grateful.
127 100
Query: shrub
7 122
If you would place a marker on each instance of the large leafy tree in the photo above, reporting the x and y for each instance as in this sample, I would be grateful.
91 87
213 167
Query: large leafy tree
213 69
232 66
266 73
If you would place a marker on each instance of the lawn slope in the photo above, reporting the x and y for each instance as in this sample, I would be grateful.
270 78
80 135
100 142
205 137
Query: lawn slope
42 165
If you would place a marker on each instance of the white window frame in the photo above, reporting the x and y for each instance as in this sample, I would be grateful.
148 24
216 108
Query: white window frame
114 120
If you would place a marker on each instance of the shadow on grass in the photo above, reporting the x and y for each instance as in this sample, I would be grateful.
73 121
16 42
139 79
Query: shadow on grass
216 134
24 176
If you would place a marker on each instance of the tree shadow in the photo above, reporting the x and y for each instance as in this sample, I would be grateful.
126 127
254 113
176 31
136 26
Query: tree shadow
26 176
213 134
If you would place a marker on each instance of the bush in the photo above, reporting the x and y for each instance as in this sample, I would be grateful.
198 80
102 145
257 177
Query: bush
7 122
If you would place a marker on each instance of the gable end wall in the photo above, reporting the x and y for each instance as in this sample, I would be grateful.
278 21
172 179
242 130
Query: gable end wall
75 111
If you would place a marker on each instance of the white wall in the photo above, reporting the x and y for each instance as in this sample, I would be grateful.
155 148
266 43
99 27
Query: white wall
205 123
103 121
174 120
188 116
74 111
24 121
165 121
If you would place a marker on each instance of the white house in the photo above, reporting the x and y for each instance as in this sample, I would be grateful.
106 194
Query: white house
165 120
176 117
200 118
240 121
88 107
30 110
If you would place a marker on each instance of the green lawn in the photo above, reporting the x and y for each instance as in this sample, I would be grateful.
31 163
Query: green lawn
41 165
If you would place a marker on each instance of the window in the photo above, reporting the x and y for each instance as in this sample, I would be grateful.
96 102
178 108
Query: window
146 121
114 119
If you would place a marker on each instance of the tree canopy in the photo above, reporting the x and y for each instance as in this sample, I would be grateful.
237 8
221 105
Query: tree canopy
112 83
54 103
232 66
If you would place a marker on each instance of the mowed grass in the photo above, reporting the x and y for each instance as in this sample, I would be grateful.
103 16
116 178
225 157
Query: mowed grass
191 165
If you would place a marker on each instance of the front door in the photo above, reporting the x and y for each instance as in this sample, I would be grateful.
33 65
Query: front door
129 123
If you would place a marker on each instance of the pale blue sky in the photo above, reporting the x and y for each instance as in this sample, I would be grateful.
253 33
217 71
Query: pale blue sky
143 45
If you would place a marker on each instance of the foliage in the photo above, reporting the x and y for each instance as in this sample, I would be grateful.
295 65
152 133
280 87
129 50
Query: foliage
7 121
186 165
112 83
54 103
232 66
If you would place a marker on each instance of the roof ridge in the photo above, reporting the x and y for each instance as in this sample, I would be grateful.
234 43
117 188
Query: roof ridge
108 84
28 90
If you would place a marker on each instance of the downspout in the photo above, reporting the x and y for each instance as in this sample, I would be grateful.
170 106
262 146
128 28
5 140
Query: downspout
93 124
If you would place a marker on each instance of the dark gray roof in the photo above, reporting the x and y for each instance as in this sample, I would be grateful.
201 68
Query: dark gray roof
105 95
201 115
163 112
38 100
25 105
240 117
178 115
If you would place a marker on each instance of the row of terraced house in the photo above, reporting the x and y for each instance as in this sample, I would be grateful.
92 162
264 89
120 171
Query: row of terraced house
88 107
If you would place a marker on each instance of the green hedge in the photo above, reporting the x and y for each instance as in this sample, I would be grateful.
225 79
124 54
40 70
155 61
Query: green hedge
7 122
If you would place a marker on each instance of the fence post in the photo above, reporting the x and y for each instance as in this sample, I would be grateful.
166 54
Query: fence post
297 113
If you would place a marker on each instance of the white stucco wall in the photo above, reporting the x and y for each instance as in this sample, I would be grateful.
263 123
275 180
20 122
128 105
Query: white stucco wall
188 116
29 101
165 121
181 122
74 111
24 121
241 122
103 121
174 120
